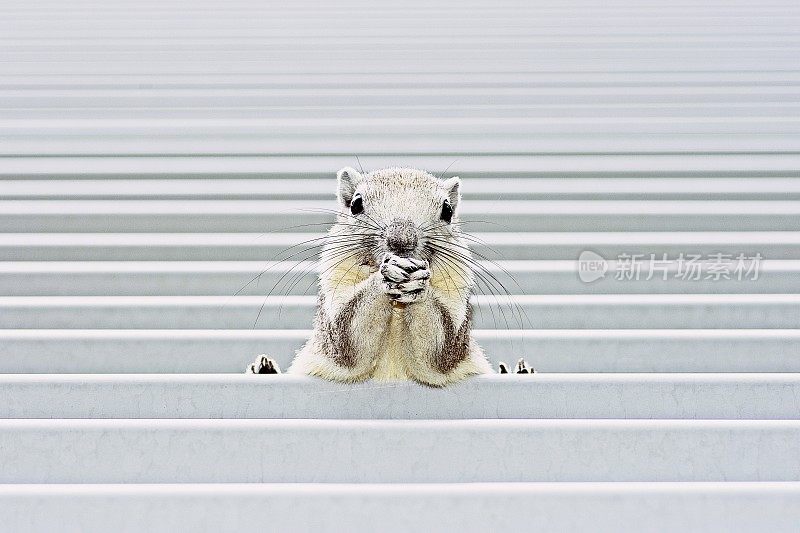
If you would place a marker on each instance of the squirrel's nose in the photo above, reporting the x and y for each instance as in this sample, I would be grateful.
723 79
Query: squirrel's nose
402 237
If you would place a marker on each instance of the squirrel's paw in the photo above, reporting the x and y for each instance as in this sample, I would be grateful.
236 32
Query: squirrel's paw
263 365
521 368
405 280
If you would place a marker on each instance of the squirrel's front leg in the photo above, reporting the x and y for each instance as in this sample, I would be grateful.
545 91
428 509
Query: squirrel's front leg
353 320
438 347
349 330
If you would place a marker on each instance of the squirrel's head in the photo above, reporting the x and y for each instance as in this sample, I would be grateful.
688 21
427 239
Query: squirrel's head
405 211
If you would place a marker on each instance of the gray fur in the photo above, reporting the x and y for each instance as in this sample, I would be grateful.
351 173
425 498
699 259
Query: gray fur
336 340
455 348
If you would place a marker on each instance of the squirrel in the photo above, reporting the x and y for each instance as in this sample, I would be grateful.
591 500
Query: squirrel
394 286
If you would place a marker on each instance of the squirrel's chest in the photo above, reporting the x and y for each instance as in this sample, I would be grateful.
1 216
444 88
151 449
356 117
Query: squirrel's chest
389 364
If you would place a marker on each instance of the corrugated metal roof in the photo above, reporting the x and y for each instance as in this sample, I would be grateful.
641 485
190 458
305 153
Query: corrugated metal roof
156 156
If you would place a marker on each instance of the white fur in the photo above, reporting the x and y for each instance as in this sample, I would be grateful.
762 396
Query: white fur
393 340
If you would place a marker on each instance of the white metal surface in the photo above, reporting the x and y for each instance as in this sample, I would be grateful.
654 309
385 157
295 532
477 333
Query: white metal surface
546 396
776 245
479 188
224 278
48 351
155 156
479 215
392 451
549 507
560 311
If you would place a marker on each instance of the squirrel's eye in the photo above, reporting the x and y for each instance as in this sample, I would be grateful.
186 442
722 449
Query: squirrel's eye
447 212
356 205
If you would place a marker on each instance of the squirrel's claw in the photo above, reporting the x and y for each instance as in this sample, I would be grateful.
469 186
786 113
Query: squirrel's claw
521 368
263 365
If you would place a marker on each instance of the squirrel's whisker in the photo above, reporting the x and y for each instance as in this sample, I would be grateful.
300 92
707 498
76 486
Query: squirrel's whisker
480 270
455 264
280 260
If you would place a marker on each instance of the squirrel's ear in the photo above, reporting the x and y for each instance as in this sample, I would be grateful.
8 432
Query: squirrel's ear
452 188
348 179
